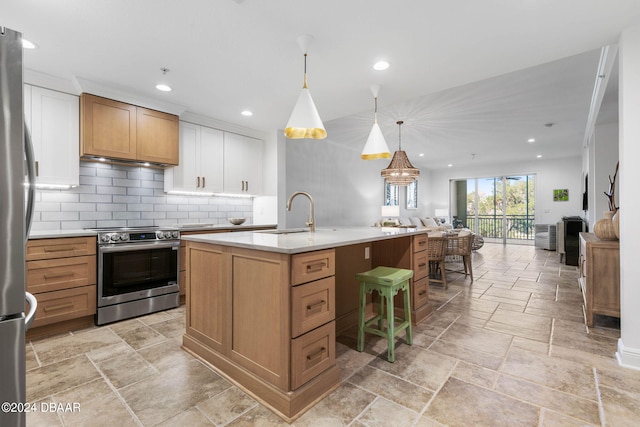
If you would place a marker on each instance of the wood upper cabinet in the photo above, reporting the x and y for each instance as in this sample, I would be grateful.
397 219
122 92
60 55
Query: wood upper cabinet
157 136
121 131
53 121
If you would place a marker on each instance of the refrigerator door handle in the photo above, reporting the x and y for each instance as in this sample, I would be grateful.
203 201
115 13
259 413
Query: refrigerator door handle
31 178
31 315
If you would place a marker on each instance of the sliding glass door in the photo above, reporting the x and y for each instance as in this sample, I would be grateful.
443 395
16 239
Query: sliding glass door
501 209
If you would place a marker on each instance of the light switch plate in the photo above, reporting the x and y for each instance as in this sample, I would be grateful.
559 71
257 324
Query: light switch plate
366 252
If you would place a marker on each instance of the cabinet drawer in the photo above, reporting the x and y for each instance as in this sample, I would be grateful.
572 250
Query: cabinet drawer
61 273
38 249
58 306
419 243
312 305
311 266
420 294
420 265
312 353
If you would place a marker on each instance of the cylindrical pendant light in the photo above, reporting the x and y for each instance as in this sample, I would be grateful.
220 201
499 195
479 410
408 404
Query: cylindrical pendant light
305 121
400 171
376 147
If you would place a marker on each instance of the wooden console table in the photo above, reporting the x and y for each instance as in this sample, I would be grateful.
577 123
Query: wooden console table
599 264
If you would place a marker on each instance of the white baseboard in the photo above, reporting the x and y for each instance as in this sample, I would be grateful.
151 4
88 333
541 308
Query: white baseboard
628 357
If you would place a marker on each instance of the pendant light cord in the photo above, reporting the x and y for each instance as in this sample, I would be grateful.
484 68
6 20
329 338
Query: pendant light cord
399 123
305 72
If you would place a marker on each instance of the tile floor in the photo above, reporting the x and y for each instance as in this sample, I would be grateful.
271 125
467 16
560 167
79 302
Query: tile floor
509 349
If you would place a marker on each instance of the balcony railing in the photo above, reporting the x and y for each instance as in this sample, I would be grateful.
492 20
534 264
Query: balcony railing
519 227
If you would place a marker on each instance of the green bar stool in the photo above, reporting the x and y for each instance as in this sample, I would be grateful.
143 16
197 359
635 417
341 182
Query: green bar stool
387 281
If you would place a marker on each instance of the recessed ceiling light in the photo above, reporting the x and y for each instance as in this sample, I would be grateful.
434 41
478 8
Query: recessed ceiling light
26 44
247 113
163 87
531 140
539 156
381 65
449 165
421 154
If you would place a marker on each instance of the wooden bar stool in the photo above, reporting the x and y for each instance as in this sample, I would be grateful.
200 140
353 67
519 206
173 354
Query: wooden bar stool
387 281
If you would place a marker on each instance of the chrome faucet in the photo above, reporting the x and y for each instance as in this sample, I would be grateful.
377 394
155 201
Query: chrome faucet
312 221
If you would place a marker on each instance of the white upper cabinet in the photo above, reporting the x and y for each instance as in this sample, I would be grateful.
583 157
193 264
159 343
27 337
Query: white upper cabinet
242 164
201 161
53 119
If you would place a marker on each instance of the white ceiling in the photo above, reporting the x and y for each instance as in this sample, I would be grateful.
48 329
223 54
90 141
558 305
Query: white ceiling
466 76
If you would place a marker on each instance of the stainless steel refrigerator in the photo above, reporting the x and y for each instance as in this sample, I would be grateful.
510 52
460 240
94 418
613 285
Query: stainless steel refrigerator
15 148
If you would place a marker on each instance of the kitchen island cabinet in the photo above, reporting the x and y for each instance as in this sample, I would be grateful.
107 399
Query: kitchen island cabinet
263 308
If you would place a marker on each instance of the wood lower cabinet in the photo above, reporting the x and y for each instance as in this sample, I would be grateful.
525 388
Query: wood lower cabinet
120 131
272 335
182 260
599 279
61 273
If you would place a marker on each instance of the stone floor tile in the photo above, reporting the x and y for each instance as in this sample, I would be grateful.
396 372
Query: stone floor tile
65 346
108 410
59 376
481 339
226 406
258 416
460 352
577 407
621 408
190 417
160 397
385 413
474 374
141 337
452 407
418 366
339 408
40 418
392 388
552 372
550 418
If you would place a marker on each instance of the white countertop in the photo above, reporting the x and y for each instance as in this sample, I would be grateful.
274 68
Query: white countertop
55 234
298 242
213 227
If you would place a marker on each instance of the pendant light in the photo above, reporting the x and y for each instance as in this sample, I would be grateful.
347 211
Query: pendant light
376 147
305 121
400 171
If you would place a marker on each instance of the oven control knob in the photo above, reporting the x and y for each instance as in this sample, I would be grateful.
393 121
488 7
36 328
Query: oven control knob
160 234
124 237
175 234
115 237
105 238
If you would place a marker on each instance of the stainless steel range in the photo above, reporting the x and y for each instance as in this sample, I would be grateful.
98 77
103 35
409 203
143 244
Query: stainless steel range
137 272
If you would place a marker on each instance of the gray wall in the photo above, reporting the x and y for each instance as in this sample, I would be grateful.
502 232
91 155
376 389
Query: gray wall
348 191
115 195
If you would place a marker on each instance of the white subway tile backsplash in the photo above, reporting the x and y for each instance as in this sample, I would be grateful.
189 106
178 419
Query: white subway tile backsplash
111 190
97 198
135 191
59 216
119 195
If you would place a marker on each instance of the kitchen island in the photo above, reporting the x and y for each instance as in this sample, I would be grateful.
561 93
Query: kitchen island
264 307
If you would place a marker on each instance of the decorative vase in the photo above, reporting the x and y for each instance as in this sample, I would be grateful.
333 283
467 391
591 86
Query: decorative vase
603 228
616 223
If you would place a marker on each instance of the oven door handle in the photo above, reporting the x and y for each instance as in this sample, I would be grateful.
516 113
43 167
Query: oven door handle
138 247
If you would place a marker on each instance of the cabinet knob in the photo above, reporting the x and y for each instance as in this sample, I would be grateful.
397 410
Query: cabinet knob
203 182
198 182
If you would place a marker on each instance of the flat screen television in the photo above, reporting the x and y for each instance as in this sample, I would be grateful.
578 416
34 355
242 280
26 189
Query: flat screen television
585 197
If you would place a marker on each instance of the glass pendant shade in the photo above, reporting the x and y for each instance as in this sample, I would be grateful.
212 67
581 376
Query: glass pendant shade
400 171
376 147
305 121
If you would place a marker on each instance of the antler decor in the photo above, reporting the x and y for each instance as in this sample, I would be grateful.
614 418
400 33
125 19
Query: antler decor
611 195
